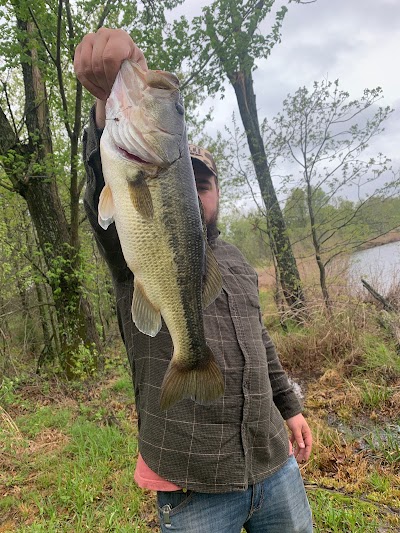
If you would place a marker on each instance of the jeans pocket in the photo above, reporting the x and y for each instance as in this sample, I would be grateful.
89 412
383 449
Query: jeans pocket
172 502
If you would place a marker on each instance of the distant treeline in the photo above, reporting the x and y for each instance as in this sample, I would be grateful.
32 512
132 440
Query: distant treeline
345 225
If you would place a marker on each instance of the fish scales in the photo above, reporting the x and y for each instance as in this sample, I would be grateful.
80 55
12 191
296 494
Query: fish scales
151 195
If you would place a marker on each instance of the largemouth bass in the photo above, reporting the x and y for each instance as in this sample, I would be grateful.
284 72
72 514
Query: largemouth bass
150 193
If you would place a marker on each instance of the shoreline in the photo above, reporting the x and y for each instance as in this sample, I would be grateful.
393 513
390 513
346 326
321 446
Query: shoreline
388 238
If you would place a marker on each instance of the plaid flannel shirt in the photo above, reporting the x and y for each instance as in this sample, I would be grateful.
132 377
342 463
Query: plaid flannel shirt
237 440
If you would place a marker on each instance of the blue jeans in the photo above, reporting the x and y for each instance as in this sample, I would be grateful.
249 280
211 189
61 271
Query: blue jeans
276 505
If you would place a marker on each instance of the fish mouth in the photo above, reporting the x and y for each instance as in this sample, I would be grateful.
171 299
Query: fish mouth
133 157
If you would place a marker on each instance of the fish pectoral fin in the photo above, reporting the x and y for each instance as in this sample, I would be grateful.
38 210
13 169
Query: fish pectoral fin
202 384
213 280
141 198
106 209
146 317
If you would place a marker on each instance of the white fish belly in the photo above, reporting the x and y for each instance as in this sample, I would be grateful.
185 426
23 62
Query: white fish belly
146 245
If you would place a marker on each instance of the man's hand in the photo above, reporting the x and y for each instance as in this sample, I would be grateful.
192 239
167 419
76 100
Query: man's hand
98 59
301 434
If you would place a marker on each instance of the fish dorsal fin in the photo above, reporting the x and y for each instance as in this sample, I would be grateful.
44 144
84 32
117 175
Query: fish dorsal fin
213 280
106 208
141 198
146 317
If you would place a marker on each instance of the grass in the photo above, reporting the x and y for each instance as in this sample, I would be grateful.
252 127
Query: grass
350 373
337 513
68 451
68 465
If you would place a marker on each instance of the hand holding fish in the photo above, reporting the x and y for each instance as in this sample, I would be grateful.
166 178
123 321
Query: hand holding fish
97 62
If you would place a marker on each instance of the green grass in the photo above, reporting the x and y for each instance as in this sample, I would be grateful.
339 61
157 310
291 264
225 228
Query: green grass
380 355
68 464
336 513
384 443
124 385
44 417
379 483
373 395
70 473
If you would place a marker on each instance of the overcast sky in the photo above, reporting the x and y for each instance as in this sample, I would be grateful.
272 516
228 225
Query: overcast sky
357 41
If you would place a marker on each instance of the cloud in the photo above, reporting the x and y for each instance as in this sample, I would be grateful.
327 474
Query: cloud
355 41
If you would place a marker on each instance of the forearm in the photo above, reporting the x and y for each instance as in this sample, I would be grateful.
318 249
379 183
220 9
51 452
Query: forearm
107 240
284 396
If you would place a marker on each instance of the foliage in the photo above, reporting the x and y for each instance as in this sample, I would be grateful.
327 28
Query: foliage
225 39
40 160
247 232
323 135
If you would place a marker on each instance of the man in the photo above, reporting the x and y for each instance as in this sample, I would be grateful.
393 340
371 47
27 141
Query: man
226 465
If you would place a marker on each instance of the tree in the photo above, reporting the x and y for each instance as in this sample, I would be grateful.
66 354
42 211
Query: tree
228 42
40 141
247 232
325 135
295 210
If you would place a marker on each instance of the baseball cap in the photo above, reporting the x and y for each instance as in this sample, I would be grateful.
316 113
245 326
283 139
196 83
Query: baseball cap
204 156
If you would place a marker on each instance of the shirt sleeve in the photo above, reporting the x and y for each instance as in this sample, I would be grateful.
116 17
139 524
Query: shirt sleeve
284 396
107 240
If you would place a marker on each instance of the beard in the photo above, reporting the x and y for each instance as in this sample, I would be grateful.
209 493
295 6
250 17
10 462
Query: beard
212 229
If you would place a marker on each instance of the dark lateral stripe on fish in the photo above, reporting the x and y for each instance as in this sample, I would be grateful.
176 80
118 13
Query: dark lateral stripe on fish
186 228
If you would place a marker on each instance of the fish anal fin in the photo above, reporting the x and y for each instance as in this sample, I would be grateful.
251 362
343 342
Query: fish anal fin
212 283
106 209
146 317
202 384
141 197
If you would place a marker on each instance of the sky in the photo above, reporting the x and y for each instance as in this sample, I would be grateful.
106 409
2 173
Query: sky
356 41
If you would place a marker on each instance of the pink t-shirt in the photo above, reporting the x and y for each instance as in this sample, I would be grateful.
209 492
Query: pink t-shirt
147 479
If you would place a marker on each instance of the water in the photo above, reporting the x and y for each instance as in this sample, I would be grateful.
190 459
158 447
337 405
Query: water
380 266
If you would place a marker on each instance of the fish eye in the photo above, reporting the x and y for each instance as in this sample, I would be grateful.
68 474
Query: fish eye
179 108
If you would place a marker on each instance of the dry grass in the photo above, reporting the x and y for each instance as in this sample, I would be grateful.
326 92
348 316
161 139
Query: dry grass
8 425
347 365
324 340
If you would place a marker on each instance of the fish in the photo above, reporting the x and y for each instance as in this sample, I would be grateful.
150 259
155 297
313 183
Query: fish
150 194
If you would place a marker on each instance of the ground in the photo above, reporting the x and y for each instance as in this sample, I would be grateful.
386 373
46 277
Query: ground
68 450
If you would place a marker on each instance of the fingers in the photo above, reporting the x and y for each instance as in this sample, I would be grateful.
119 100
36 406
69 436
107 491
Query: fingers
298 438
99 56
83 67
303 438
300 434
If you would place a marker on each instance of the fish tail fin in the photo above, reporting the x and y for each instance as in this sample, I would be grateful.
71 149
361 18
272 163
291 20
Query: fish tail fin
202 384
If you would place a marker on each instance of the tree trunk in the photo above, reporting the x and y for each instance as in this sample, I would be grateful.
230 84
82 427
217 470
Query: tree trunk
45 323
286 263
317 249
33 178
74 315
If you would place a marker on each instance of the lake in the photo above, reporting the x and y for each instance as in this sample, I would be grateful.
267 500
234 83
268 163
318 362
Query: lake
380 266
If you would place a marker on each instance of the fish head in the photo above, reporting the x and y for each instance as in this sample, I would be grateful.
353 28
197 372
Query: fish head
145 120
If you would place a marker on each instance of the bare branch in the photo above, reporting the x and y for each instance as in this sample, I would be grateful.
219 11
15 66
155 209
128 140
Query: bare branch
105 13
48 304
41 35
